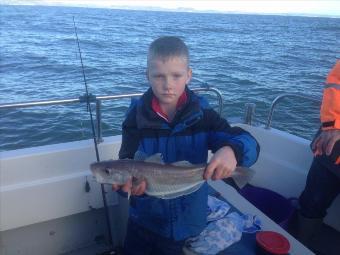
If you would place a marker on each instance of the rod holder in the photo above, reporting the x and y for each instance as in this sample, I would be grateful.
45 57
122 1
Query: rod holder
84 98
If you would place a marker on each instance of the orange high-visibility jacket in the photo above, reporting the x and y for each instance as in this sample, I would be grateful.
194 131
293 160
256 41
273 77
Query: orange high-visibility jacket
330 108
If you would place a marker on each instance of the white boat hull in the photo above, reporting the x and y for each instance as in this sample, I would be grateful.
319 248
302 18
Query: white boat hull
45 209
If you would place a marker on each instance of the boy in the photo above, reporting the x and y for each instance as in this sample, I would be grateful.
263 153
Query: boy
170 119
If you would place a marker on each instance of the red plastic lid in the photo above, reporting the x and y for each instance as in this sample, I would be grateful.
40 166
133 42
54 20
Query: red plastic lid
272 242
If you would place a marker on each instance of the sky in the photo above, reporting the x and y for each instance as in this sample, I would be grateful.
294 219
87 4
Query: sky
307 7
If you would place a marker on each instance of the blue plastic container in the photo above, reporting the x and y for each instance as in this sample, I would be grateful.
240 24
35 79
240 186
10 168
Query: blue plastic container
274 205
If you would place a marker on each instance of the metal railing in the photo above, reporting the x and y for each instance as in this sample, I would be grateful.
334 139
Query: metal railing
281 97
98 101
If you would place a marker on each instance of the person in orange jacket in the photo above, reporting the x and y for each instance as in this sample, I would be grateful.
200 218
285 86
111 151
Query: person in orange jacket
330 117
323 180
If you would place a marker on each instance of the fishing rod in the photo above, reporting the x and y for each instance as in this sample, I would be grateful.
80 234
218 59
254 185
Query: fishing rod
88 103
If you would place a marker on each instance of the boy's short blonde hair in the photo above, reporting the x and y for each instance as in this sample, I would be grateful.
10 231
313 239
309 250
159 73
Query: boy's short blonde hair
167 47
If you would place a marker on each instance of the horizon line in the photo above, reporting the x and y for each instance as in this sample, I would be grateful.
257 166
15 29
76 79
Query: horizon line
178 9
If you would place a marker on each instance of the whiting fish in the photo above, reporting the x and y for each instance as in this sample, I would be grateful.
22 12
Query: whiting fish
163 180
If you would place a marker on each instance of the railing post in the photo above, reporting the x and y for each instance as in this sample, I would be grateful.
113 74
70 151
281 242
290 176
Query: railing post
99 121
249 113
220 100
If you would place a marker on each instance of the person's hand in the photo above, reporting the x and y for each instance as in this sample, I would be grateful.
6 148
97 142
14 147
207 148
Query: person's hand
221 165
325 141
133 187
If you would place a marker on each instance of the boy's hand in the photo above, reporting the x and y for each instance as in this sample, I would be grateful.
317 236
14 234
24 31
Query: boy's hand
131 187
324 143
221 165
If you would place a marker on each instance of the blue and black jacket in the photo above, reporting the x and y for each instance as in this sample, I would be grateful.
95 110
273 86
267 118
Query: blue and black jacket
195 129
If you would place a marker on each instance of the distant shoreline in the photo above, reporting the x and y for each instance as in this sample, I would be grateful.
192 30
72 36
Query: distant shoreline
180 10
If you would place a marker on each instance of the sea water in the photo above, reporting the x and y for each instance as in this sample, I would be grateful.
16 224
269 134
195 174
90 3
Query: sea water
249 58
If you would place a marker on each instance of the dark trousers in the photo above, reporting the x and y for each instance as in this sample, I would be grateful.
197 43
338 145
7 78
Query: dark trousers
322 187
140 241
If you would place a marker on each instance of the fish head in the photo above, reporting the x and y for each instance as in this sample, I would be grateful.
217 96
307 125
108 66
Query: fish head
111 172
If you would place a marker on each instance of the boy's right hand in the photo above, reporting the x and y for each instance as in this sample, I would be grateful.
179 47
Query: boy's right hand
132 187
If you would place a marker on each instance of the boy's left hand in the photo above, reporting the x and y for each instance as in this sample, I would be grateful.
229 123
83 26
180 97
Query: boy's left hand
221 165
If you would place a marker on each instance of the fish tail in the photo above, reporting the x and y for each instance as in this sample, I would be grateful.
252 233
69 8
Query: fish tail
242 176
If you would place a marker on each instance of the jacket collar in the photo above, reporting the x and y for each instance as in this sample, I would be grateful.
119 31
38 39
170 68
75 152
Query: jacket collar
157 108
187 115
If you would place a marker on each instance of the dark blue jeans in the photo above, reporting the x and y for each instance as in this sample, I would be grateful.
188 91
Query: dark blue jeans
140 241
322 187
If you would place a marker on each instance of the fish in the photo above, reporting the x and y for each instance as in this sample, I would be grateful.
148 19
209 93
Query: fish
166 181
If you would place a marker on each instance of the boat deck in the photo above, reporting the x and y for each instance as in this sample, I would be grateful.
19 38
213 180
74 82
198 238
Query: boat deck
326 242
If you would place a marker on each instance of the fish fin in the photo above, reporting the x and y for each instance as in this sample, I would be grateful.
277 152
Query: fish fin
170 194
155 158
242 176
182 163
182 192
140 155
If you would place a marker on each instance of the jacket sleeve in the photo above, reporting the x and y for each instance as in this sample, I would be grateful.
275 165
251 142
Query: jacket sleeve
244 145
330 108
130 135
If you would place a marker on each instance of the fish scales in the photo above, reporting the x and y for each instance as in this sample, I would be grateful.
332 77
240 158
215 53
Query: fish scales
165 173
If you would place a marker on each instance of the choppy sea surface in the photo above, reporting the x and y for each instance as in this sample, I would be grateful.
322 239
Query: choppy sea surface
249 58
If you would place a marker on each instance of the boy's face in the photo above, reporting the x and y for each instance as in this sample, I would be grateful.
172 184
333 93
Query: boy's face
167 78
